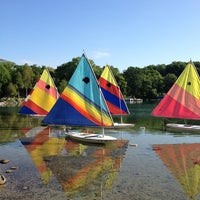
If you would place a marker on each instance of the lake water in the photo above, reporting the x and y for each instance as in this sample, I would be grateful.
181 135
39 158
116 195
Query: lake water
147 162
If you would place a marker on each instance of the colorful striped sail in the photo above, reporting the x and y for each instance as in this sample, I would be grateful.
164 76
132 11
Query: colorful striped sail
183 99
112 93
81 103
42 97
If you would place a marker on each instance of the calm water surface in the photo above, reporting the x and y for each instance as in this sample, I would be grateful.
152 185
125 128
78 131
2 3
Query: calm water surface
163 165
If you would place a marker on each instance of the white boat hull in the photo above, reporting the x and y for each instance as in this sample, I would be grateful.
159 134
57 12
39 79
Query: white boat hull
123 125
184 127
91 137
120 126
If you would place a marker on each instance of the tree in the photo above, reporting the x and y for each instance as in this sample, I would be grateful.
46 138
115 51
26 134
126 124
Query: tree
19 84
161 69
147 82
27 77
156 79
11 90
169 80
148 91
175 68
134 78
62 86
5 78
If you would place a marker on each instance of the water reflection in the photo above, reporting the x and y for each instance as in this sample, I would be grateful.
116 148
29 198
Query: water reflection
11 120
183 161
83 171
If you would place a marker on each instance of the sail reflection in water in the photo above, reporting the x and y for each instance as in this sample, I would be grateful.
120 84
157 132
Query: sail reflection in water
39 144
82 170
183 161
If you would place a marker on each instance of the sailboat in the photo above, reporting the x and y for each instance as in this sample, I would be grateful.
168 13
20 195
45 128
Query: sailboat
113 96
42 97
182 101
82 104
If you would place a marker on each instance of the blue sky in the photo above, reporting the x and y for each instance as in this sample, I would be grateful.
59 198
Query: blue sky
120 33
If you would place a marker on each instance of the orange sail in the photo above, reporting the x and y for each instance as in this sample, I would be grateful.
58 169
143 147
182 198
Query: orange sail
183 99
42 98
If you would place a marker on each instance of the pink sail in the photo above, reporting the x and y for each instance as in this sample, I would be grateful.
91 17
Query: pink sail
183 99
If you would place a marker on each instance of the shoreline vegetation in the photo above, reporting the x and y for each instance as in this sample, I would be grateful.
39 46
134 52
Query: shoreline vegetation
10 102
16 102
148 82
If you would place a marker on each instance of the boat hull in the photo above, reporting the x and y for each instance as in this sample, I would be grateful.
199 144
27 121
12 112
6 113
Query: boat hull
123 125
184 127
91 137
120 126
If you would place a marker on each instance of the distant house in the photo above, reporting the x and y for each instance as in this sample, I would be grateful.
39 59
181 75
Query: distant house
134 100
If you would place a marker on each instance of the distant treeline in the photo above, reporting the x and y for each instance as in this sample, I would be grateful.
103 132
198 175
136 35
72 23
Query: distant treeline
149 82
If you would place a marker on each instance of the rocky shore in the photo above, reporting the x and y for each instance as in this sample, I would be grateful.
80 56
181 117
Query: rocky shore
10 102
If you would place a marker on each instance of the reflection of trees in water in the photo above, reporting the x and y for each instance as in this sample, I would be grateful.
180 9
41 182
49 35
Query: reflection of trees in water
16 121
10 119
11 124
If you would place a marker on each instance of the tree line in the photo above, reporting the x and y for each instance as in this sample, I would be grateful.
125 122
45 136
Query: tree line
149 82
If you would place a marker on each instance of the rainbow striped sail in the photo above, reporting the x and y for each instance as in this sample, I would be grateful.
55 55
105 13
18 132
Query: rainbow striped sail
183 99
42 97
112 93
81 103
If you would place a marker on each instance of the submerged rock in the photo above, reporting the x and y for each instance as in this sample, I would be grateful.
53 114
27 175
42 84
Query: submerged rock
2 179
4 161
9 171
13 167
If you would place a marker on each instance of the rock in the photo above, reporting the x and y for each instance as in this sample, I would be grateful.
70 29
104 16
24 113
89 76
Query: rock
4 161
133 145
13 167
9 171
2 179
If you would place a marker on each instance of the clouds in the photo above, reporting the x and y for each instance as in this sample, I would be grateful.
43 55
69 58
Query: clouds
100 54
26 61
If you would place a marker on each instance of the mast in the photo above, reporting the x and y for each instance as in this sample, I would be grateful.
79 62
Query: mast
102 126
120 106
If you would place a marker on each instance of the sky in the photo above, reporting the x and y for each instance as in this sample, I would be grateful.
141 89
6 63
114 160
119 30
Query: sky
121 33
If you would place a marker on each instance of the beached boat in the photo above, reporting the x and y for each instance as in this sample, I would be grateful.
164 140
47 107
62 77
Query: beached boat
183 127
182 101
113 96
42 97
81 104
